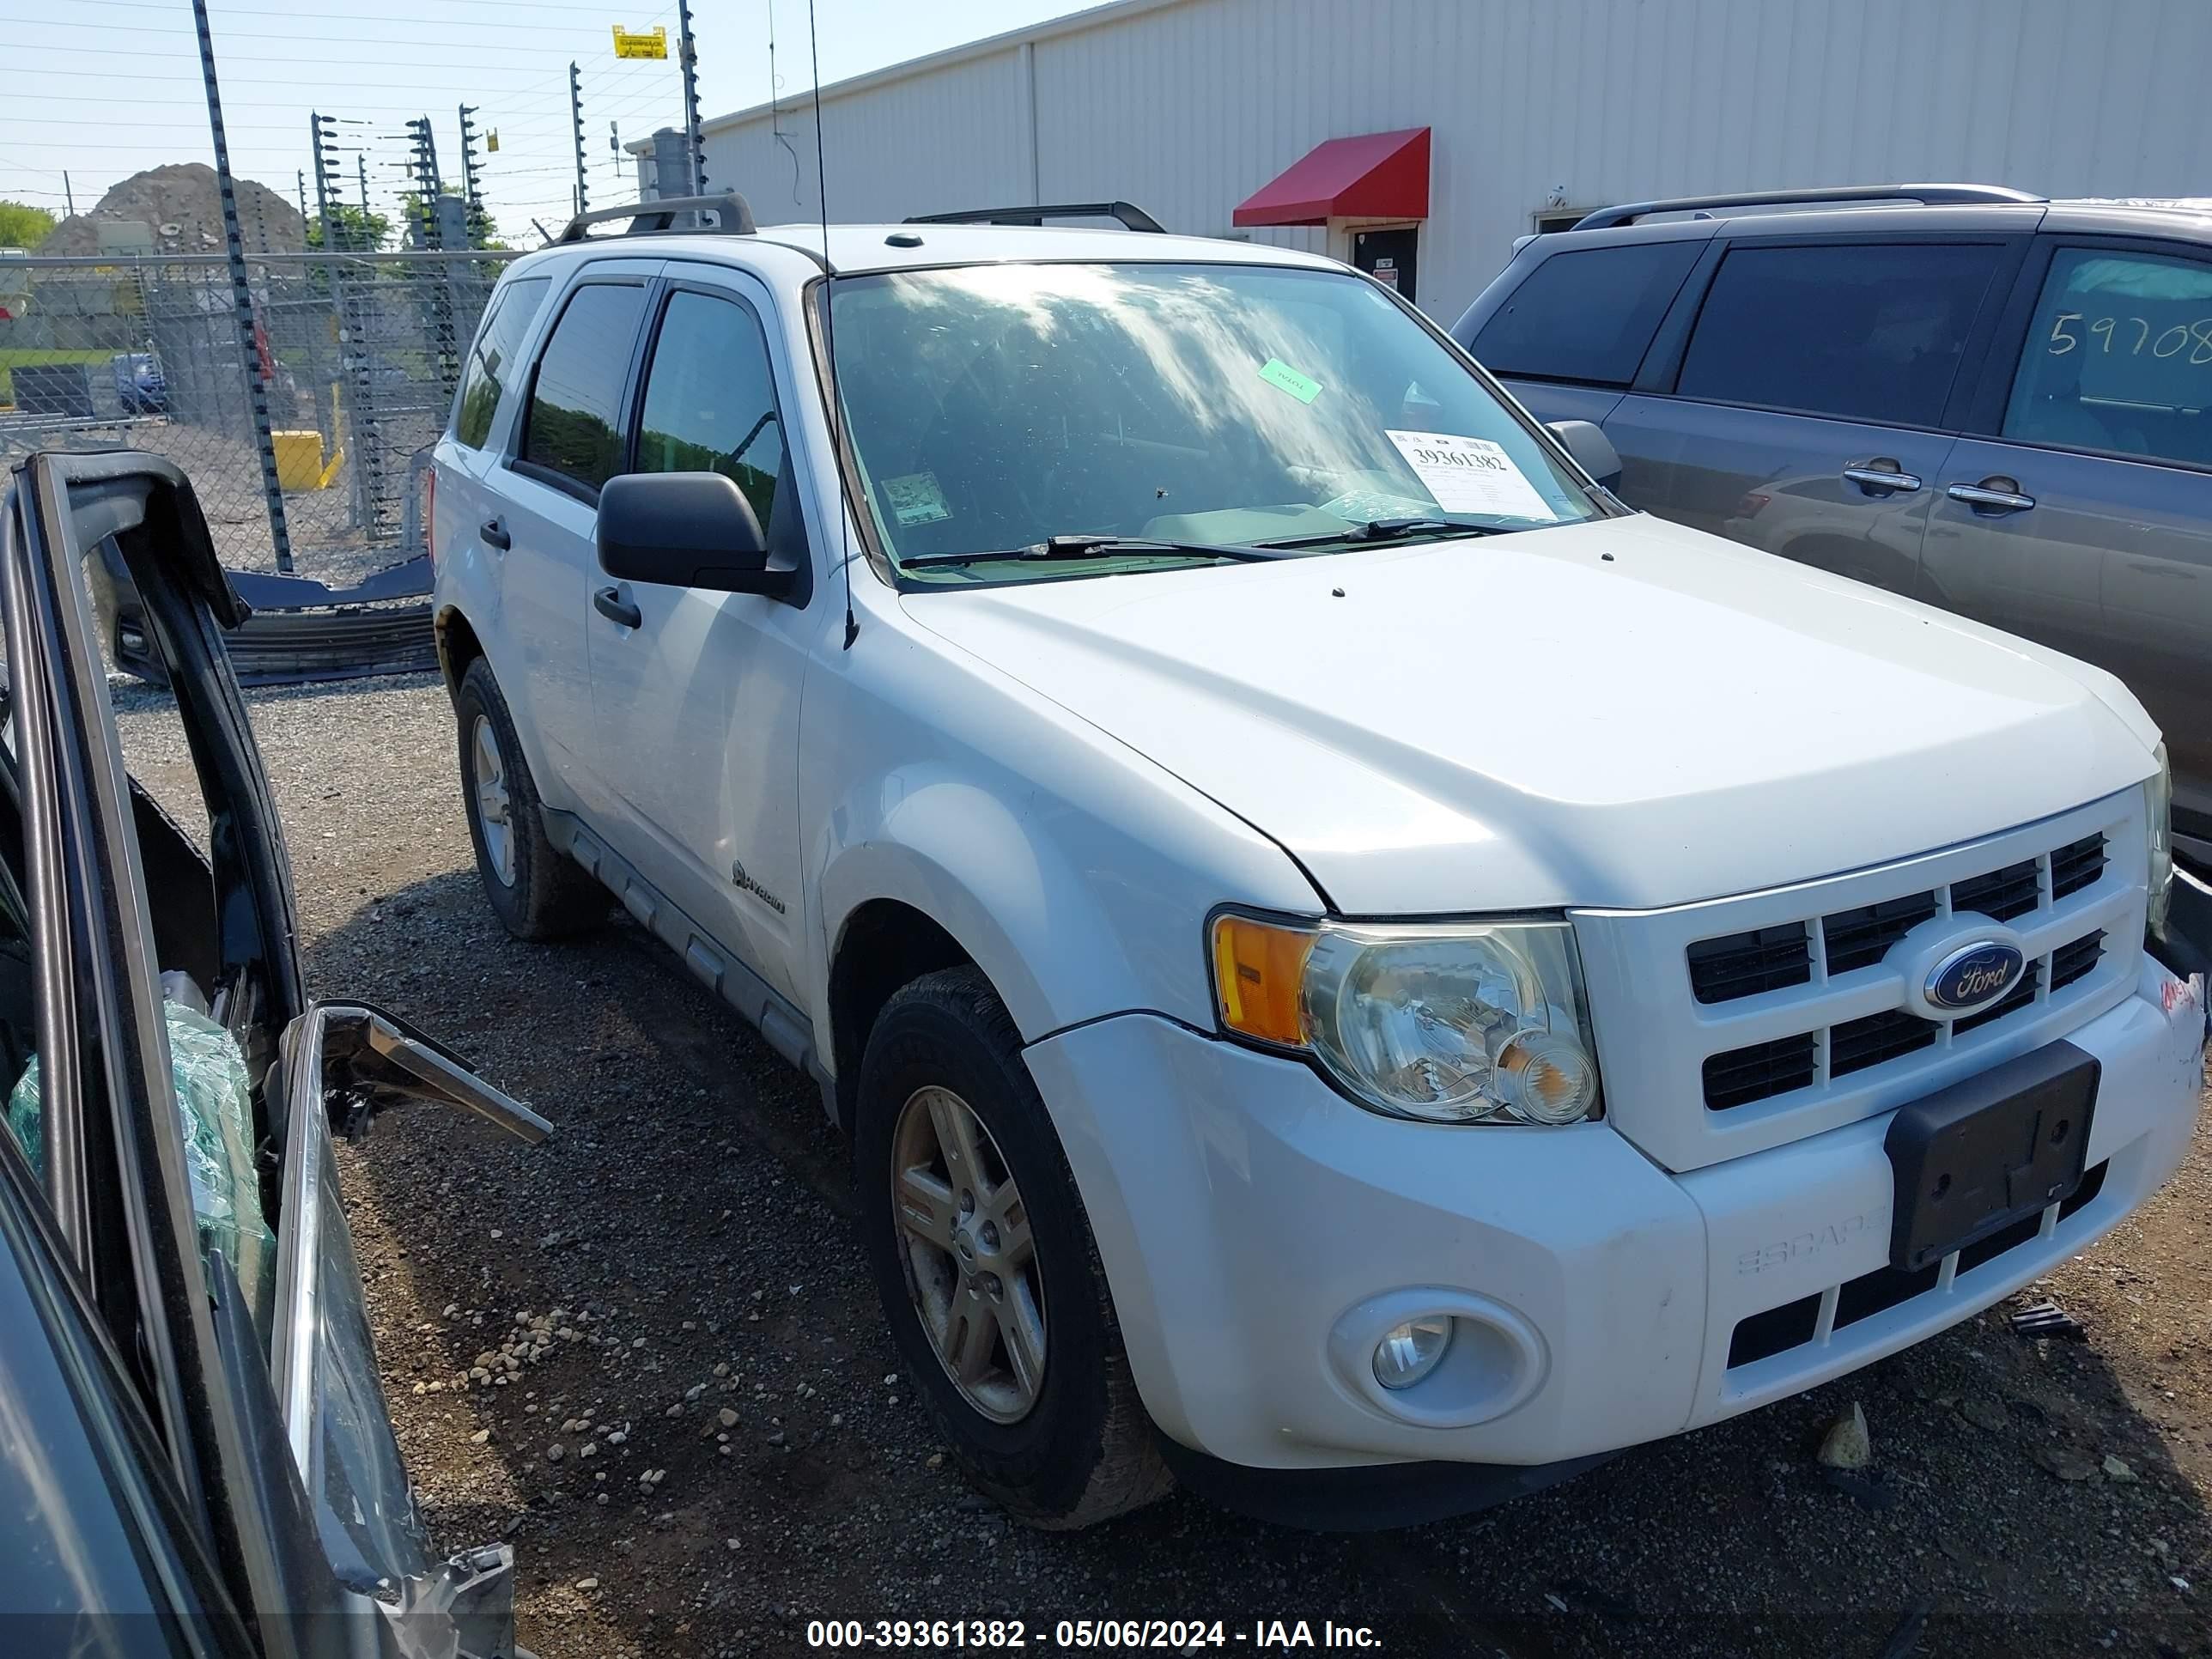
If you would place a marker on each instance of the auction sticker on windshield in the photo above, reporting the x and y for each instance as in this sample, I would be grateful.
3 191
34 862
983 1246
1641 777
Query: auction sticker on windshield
916 499
1471 475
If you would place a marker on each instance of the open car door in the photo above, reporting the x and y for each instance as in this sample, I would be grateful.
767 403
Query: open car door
185 1096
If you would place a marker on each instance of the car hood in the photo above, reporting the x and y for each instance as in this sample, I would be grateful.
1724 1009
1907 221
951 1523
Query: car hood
1622 713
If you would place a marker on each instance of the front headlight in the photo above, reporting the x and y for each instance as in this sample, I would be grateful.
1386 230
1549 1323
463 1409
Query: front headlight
2158 805
1450 1023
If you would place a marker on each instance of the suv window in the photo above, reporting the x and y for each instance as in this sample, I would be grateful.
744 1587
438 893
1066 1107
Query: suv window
493 355
1587 315
1866 331
2119 357
710 398
574 425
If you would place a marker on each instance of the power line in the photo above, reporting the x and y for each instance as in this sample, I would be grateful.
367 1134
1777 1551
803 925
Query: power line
252 11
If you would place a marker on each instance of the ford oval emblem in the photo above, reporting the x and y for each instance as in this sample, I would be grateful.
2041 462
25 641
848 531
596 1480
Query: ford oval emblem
1974 975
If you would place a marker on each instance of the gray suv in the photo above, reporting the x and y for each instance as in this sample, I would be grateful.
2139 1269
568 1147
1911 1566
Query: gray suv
1995 403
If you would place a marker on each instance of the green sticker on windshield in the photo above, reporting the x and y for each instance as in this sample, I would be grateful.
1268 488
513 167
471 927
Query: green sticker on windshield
1281 376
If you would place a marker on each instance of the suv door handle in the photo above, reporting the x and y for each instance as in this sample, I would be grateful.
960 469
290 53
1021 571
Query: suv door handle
493 531
1986 497
609 603
1890 480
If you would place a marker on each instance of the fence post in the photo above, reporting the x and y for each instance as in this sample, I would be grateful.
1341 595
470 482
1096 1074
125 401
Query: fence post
251 358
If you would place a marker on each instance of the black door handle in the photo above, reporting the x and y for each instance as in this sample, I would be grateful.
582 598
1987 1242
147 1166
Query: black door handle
494 531
610 604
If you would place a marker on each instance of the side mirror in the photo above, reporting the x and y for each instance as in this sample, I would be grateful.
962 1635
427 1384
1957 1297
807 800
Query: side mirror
685 530
1586 441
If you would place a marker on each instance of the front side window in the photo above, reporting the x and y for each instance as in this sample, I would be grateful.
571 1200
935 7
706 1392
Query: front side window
710 399
574 426
993 408
2118 358
1868 331
491 359
1586 316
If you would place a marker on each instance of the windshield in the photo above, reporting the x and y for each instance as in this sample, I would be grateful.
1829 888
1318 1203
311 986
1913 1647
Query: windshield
993 408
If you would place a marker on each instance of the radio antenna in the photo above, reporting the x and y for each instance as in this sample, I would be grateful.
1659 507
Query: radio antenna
828 332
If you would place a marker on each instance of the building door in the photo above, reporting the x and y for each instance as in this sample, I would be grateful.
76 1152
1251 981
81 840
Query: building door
1390 256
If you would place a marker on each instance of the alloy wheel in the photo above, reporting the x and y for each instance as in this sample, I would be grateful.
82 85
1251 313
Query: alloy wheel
971 1262
491 801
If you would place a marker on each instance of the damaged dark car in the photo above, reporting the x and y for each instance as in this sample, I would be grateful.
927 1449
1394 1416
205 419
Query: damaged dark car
195 1454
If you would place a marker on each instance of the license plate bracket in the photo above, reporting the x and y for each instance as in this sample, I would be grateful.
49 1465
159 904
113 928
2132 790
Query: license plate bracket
1973 1160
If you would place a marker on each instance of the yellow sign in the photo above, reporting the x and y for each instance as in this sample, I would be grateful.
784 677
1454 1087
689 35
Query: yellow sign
627 45
491 141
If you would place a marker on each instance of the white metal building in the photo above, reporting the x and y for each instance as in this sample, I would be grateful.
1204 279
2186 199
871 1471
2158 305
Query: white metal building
1528 109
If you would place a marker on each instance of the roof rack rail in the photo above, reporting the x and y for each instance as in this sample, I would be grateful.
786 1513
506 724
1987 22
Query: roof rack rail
1823 195
734 216
1135 218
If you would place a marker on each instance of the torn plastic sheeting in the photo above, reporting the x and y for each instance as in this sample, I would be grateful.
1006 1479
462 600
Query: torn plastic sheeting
214 1100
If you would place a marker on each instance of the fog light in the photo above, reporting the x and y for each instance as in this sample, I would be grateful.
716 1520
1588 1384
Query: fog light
1410 1352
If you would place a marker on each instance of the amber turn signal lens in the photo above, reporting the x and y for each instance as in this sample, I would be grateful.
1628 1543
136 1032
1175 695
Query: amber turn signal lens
1259 969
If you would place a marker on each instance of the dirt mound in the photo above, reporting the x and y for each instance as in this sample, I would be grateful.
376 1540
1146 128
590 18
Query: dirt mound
181 208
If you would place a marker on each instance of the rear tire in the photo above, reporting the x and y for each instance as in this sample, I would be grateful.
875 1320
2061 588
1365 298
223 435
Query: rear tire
536 892
1055 1432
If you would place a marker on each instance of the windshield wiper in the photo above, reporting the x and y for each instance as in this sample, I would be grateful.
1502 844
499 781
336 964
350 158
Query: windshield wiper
1101 547
1389 530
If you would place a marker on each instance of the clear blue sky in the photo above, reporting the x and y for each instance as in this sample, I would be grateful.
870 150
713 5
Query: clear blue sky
104 88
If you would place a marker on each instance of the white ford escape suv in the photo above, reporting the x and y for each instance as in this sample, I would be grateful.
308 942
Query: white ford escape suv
1360 973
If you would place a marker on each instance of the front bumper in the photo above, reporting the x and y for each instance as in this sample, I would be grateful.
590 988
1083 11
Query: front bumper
1259 1230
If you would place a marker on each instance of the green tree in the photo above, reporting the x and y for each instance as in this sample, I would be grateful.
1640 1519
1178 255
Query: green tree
23 226
353 229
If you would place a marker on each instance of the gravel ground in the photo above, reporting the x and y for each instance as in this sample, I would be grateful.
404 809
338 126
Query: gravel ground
648 1353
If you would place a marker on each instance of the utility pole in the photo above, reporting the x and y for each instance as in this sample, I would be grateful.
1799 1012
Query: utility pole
694 143
360 162
253 359
303 197
69 195
577 117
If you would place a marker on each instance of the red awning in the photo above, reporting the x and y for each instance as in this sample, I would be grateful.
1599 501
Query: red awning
1378 175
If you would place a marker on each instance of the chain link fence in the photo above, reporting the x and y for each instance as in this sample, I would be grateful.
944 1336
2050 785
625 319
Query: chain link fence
359 354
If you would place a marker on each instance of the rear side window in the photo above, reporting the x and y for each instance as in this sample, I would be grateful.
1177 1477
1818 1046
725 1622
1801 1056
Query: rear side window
491 359
573 427
2119 358
710 399
1589 315
1864 332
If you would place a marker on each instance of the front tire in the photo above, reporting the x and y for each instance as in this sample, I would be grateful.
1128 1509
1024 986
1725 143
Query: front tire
536 891
985 1264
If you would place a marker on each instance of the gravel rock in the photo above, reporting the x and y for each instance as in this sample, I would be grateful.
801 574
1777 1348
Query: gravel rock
1847 1445
1988 1414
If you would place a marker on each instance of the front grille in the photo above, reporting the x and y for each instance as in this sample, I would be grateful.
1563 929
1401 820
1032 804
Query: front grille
2076 961
1861 938
1774 958
2076 865
1761 1070
1812 952
1765 1016
2001 894
1794 1324
1858 1043
1744 964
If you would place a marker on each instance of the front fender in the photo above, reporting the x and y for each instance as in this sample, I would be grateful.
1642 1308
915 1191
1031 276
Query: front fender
1035 922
